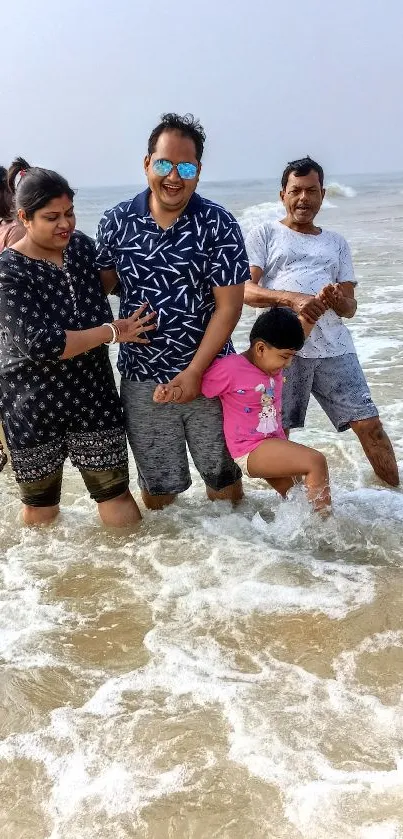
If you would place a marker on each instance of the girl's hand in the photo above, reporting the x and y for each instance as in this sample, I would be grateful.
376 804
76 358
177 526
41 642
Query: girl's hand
132 328
183 388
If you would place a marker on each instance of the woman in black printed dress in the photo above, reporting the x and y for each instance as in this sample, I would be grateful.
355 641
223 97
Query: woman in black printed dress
58 396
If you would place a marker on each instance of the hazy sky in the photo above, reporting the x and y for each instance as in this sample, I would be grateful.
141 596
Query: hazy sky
83 82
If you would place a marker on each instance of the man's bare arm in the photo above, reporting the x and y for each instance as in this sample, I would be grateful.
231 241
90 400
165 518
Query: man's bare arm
228 308
109 279
307 305
259 297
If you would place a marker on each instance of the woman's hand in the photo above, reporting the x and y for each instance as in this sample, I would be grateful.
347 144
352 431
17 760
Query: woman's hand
126 330
132 328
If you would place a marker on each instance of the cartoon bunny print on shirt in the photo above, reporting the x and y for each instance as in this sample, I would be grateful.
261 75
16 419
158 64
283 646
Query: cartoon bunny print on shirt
267 418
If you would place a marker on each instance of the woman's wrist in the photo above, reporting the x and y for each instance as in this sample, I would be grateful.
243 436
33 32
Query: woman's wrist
114 333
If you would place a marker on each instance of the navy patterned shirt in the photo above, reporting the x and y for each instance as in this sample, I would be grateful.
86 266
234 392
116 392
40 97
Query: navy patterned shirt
174 271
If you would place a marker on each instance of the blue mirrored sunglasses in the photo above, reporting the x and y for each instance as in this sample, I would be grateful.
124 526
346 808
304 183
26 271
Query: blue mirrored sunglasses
187 171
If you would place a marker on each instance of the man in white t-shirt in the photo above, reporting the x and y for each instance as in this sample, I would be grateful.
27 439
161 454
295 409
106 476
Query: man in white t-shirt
291 261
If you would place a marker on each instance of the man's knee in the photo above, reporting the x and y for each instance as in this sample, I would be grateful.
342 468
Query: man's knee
157 502
233 492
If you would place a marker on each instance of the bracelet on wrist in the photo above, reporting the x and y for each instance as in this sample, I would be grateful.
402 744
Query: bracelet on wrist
114 331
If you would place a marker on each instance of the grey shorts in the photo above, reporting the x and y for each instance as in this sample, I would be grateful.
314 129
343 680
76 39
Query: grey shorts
158 435
338 384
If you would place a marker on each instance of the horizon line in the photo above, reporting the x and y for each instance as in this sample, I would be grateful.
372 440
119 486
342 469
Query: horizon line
251 179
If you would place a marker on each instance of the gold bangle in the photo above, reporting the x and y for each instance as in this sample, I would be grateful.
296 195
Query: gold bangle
114 333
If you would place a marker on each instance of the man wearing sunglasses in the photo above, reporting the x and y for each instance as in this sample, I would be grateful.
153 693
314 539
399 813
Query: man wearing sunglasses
183 257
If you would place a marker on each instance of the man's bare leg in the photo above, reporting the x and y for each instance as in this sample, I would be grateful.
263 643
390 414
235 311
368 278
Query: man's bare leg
378 449
233 493
157 502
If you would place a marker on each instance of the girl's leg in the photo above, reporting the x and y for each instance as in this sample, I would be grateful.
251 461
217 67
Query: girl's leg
276 458
281 485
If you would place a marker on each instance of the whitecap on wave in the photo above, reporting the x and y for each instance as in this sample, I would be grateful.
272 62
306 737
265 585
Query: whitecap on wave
259 213
335 188
268 211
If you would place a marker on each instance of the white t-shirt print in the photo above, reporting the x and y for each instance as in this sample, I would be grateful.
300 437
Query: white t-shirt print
302 262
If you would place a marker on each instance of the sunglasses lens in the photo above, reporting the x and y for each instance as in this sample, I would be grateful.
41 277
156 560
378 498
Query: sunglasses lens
187 171
162 167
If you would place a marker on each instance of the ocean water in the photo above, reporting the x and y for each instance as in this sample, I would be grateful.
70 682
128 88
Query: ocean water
222 673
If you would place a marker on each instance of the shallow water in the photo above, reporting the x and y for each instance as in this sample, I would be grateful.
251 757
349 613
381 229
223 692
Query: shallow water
223 673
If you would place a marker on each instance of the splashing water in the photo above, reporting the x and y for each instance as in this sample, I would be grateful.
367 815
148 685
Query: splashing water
224 672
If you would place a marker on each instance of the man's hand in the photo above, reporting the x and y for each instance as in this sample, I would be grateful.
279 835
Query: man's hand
331 295
308 306
340 298
183 388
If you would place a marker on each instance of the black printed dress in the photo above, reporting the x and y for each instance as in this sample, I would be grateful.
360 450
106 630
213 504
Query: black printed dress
52 408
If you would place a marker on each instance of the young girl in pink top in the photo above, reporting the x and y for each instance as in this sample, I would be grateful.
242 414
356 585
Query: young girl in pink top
249 386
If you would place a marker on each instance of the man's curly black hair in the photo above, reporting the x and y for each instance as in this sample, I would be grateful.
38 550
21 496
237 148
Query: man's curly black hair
187 125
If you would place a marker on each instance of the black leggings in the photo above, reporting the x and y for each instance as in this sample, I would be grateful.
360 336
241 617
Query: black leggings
102 485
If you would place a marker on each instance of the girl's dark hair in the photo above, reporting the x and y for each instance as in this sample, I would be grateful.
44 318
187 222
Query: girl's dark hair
19 166
187 125
280 328
6 198
39 186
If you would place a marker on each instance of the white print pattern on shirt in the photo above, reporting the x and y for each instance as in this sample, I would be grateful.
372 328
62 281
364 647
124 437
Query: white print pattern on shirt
305 263
174 271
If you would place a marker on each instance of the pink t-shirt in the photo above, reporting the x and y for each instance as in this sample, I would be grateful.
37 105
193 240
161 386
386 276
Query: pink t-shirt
251 402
